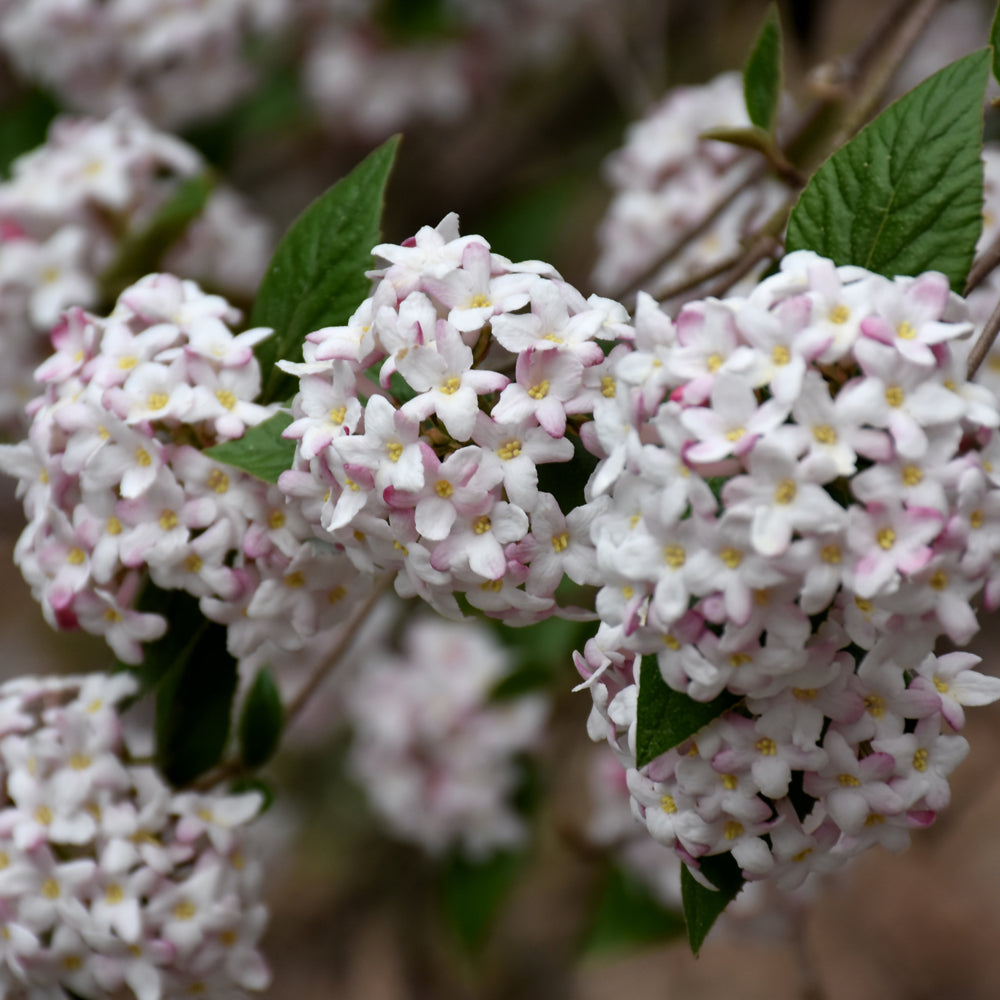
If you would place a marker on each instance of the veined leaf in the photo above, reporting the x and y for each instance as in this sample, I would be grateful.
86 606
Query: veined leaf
905 194
702 907
262 451
316 277
762 75
666 717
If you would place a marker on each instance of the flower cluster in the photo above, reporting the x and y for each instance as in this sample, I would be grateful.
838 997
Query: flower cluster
114 482
110 880
438 759
417 455
803 497
68 209
668 180
172 60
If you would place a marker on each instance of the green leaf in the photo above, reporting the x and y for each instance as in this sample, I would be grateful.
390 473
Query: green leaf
666 717
762 75
262 721
473 892
316 277
702 907
905 195
524 680
995 43
262 451
185 623
628 915
194 706
23 126
141 251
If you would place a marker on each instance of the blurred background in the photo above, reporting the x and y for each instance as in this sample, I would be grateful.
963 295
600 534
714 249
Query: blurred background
509 113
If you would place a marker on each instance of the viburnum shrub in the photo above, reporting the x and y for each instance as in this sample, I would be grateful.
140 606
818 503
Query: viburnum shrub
766 517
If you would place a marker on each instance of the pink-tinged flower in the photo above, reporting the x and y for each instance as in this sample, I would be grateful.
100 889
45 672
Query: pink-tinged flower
389 447
325 409
924 759
448 384
476 543
953 680
460 486
898 395
852 790
545 382
906 317
889 543
779 500
732 423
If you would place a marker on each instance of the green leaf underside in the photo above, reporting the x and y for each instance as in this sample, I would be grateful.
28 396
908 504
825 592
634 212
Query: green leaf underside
316 277
666 717
905 195
762 75
627 915
702 907
262 451
995 42
748 137
141 252
261 721
194 706
473 892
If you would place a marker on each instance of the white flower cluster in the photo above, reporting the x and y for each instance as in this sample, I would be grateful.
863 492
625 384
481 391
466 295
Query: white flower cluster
418 456
66 211
668 180
804 497
114 482
438 759
110 880
172 60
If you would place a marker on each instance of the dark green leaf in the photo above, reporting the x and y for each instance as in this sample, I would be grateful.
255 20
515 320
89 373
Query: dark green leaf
995 43
473 892
629 916
747 136
185 623
194 706
23 126
316 277
905 195
702 907
140 252
666 717
261 722
762 75
262 451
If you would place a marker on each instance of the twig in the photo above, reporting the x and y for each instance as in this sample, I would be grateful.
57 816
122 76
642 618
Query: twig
875 63
983 265
232 768
982 346
347 637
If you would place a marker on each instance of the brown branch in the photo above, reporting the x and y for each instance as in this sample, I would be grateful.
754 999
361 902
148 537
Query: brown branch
982 346
233 767
985 263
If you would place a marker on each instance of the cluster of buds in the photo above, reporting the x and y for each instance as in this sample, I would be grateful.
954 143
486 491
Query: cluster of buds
418 456
668 181
68 208
115 484
437 757
111 881
173 61
803 497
